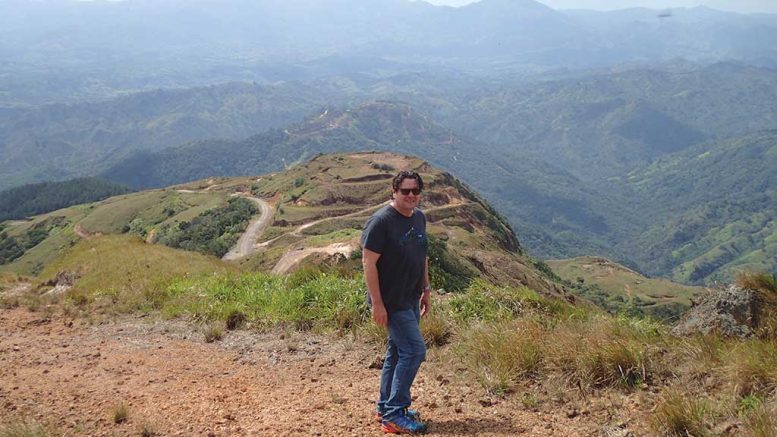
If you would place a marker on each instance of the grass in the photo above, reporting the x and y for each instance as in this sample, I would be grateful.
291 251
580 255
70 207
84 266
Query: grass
763 282
123 274
305 301
28 428
762 421
213 332
500 353
680 415
752 367
120 413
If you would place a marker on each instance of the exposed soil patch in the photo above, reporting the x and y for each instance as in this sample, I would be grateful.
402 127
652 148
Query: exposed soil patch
73 375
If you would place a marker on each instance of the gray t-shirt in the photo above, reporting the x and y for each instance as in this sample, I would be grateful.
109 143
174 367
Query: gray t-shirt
402 243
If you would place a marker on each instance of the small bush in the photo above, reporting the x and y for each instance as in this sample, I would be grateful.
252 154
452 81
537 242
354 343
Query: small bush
120 413
147 430
677 415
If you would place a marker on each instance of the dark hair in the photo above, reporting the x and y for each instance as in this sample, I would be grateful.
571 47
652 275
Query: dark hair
401 176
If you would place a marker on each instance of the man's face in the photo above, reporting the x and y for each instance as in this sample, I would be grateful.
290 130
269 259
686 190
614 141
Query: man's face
410 200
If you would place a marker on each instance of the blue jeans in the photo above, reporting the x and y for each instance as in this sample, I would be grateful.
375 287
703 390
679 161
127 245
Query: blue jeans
406 350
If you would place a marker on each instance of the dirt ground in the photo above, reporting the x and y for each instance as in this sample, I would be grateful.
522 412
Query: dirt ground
72 375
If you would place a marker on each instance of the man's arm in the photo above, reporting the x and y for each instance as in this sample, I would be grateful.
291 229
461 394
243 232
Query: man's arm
426 296
370 264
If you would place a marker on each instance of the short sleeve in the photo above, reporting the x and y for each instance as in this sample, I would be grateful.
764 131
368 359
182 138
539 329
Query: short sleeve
374 234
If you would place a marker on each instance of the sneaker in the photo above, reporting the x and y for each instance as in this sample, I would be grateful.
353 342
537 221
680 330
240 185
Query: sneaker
411 414
402 425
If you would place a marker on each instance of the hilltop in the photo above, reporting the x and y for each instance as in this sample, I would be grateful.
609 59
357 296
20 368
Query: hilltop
618 288
317 210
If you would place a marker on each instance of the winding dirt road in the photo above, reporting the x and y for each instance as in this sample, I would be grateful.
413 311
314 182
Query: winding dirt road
245 245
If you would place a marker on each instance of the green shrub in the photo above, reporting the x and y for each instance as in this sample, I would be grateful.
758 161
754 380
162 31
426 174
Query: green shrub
212 232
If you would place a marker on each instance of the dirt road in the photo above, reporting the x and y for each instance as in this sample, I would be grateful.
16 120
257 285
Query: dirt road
245 245
71 375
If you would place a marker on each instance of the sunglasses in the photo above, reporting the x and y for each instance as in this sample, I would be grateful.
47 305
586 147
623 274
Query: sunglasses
406 191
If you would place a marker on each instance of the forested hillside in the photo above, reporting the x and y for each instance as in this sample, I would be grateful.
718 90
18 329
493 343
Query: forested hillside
34 199
713 210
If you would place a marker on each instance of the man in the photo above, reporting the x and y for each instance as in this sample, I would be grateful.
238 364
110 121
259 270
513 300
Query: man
396 270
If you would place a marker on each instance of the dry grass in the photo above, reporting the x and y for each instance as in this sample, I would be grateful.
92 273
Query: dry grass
501 353
28 428
762 421
601 352
436 328
120 413
763 282
752 367
678 414
213 332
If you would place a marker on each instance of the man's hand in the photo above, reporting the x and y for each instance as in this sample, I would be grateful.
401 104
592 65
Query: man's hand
426 302
379 314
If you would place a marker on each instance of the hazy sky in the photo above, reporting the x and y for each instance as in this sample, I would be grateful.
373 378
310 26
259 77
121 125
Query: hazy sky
729 5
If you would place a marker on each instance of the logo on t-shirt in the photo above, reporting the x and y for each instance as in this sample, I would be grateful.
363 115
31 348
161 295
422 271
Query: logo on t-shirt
413 237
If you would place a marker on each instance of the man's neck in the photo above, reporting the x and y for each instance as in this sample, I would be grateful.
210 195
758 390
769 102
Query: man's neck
404 212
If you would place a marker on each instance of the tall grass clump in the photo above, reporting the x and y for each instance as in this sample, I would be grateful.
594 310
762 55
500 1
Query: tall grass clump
436 326
500 353
601 352
701 355
679 415
762 421
763 282
752 367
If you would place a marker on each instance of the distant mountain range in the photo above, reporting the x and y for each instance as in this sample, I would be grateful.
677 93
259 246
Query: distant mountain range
71 50
604 164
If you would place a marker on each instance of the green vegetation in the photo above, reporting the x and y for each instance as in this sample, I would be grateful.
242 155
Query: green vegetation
212 232
619 289
12 247
305 300
121 274
447 271
40 198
